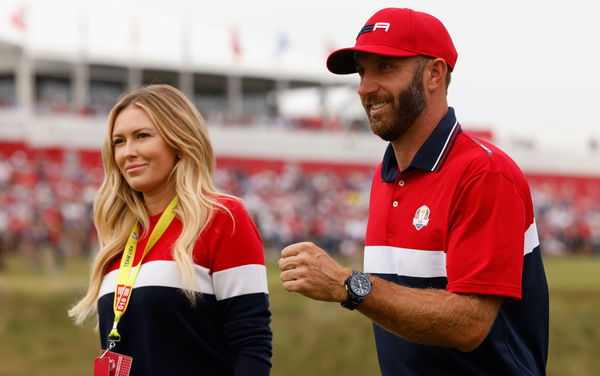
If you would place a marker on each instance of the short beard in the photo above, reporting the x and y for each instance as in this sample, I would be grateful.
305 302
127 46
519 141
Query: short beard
410 104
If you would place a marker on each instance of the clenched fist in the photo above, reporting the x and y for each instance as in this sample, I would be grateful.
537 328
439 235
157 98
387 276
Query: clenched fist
310 271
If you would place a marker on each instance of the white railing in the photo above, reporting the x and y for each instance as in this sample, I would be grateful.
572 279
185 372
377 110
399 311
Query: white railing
288 144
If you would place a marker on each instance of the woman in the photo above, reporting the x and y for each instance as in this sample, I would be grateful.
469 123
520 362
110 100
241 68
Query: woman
198 305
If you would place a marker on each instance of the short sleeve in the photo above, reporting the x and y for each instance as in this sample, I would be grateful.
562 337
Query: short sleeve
487 230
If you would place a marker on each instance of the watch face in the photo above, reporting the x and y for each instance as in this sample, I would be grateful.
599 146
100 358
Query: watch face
360 284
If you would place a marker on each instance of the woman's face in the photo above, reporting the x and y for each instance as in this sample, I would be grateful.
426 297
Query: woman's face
142 155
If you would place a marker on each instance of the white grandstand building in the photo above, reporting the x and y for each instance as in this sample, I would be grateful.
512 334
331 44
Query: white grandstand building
56 93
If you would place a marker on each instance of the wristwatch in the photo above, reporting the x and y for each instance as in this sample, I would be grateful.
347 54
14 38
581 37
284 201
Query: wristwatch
358 286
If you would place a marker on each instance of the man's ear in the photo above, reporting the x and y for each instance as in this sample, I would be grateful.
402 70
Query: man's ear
435 74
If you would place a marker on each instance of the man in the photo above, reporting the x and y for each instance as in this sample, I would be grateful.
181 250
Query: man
455 282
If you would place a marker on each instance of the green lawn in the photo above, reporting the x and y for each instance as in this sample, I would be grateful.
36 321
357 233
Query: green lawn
311 338
574 316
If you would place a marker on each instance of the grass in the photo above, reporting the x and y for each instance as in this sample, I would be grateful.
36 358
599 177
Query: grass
315 338
574 316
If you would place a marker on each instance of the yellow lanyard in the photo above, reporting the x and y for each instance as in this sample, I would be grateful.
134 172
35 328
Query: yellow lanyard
126 277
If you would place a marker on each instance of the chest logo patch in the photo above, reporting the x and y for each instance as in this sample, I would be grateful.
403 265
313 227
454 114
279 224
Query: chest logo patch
421 218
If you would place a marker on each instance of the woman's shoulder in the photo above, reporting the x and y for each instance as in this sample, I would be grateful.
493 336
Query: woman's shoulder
230 218
230 208
230 203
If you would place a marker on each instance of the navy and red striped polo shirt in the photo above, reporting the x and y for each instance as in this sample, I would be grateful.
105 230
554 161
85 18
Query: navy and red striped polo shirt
460 218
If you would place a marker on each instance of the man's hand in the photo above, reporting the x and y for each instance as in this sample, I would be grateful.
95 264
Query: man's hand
310 271
428 316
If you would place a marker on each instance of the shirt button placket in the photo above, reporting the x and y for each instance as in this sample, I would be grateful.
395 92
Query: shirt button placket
401 184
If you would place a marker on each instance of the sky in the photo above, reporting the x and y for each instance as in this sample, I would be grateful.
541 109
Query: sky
523 66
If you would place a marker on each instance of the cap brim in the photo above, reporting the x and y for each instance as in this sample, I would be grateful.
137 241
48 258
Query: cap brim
342 61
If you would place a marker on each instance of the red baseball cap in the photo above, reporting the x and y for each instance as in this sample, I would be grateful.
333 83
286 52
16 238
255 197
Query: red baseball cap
397 32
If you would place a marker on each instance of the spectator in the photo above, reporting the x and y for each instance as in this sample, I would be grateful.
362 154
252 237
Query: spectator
293 203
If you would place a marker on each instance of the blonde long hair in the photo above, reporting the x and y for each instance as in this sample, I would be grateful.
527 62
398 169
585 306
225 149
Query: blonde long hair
117 206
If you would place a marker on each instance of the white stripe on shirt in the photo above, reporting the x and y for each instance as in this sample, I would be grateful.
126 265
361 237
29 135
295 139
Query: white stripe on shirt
420 263
162 273
241 280
224 284
531 238
405 262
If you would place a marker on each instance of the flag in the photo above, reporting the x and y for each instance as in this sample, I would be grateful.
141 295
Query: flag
17 18
329 45
281 44
236 46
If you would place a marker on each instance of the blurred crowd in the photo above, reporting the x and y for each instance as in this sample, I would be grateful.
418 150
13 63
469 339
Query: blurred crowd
567 215
46 208
295 205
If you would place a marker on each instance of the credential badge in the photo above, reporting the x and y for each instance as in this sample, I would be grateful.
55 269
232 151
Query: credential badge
421 218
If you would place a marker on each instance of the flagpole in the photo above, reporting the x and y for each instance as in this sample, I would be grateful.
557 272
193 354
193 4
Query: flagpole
24 71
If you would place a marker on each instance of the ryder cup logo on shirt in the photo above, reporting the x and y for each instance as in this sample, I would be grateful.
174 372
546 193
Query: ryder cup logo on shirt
421 218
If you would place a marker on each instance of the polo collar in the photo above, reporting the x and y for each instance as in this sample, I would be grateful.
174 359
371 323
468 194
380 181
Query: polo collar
431 155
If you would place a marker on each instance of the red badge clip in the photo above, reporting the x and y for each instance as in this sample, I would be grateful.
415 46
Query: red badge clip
112 364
